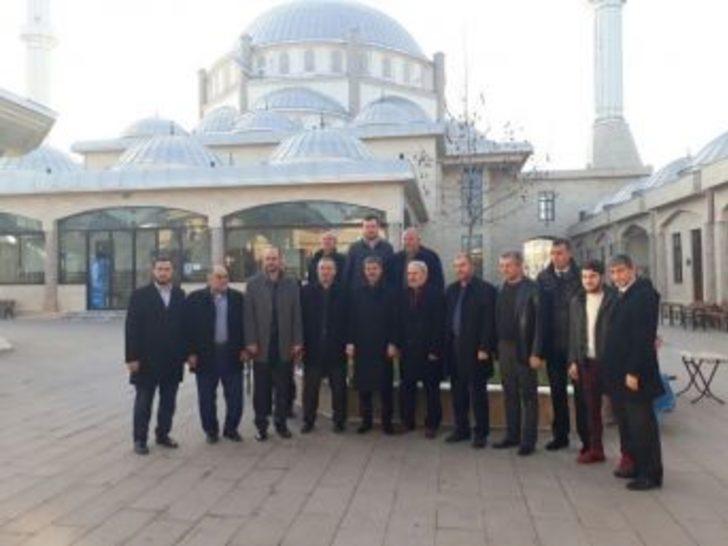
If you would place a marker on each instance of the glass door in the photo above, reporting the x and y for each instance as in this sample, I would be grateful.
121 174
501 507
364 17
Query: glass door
99 270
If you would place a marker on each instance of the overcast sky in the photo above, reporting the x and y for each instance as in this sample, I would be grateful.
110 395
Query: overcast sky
531 59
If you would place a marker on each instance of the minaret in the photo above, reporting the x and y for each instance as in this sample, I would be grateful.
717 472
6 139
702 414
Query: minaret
613 146
39 41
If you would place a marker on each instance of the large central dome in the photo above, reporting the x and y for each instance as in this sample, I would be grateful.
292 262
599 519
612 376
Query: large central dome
330 21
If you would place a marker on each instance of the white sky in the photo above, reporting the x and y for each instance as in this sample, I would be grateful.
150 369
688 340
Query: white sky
125 59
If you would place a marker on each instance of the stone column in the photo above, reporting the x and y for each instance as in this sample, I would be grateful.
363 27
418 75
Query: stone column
217 241
661 273
50 294
709 262
353 72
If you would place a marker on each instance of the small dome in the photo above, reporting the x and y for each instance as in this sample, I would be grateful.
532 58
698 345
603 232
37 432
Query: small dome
321 145
266 121
299 99
668 174
172 151
43 160
218 120
391 111
713 152
330 21
149 127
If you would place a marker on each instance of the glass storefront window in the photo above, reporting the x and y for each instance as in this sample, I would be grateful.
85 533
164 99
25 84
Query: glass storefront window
22 250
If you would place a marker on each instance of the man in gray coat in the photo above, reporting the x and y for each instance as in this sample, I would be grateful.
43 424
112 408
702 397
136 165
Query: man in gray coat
274 338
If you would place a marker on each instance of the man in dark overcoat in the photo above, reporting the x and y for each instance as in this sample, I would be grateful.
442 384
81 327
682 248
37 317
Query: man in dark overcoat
327 250
324 341
413 249
155 352
372 343
214 329
421 327
470 349
370 244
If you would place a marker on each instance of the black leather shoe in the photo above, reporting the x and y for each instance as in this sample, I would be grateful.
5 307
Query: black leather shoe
555 445
339 428
388 429
643 484
479 442
624 474
364 428
283 432
212 438
525 451
261 435
233 436
306 428
168 442
140 448
457 436
505 444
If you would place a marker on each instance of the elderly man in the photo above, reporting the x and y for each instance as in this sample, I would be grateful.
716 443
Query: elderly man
155 352
397 274
214 331
520 352
471 340
327 250
633 373
372 343
370 244
324 342
274 339
421 326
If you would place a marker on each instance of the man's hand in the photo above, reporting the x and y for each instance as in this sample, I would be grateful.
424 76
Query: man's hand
432 357
483 355
192 362
632 382
392 351
252 349
244 356
296 352
350 350
535 362
574 371
133 366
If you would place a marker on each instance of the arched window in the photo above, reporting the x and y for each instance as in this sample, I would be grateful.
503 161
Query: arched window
337 62
295 227
22 250
284 63
111 250
309 60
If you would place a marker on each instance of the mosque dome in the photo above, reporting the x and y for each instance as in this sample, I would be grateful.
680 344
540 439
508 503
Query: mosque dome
330 21
391 111
266 121
714 151
168 151
149 127
299 99
218 120
321 145
43 159
668 174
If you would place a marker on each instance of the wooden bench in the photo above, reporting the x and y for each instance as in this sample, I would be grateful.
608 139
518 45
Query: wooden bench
7 309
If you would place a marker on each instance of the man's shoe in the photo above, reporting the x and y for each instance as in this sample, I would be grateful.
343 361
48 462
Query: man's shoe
409 427
625 470
212 438
261 435
430 433
283 432
167 441
591 456
505 444
479 442
140 448
556 444
364 428
457 436
643 484
233 436
388 429
339 428
525 451
306 428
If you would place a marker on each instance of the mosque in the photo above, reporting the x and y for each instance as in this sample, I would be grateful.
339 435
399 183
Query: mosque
323 112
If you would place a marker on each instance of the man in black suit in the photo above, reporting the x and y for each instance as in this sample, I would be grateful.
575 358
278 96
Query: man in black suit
324 342
633 373
328 250
520 352
214 329
155 352
421 316
413 250
559 283
370 244
470 346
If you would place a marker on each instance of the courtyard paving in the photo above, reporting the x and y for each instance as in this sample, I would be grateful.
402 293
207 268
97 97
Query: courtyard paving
67 474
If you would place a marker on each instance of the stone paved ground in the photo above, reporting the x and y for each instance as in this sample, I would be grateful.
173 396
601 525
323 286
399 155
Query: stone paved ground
67 474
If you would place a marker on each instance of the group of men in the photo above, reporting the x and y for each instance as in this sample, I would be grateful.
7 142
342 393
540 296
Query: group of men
373 312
